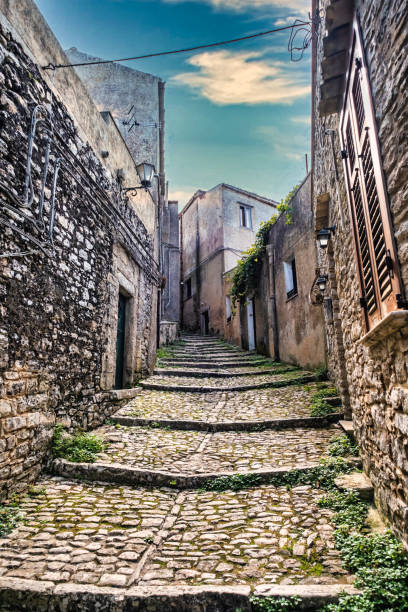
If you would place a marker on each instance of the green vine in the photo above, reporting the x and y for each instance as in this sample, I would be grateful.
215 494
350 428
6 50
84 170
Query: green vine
246 274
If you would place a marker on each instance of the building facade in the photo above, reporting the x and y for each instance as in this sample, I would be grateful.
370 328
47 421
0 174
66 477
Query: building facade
285 311
360 161
170 303
216 227
79 256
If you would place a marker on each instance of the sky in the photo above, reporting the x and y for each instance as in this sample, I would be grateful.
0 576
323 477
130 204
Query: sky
238 114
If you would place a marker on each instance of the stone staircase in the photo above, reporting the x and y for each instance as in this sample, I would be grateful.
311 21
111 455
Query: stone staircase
144 526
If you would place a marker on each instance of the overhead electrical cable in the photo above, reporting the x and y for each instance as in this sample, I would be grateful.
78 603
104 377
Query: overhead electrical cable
297 24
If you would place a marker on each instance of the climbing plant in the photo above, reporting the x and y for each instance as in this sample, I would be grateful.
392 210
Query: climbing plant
246 274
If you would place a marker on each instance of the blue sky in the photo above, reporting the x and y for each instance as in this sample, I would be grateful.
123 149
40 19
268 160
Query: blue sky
237 114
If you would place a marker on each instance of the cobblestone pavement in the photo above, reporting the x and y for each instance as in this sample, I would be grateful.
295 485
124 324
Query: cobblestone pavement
254 405
118 536
239 381
95 534
193 452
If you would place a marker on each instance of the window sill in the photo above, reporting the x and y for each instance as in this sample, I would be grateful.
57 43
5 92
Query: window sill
391 323
291 297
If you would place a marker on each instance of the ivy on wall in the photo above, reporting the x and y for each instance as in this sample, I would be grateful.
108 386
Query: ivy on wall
246 274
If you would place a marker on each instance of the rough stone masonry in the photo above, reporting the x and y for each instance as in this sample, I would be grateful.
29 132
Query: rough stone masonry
58 302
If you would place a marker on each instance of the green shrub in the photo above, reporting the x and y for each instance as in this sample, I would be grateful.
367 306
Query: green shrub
343 446
320 408
79 448
233 483
272 604
351 511
9 517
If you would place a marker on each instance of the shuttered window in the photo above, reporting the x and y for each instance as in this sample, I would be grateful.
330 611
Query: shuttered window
375 249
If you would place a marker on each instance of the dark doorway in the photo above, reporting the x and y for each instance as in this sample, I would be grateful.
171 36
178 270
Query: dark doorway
120 342
206 323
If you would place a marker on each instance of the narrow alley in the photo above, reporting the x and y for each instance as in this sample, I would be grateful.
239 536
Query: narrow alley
202 440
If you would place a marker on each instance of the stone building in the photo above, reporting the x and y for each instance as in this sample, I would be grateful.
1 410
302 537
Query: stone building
79 256
286 311
170 305
216 227
360 162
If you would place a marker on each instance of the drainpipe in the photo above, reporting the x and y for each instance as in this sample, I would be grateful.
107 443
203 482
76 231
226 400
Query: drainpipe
272 289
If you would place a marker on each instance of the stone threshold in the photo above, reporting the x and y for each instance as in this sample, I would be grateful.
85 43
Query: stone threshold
201 373
197 389
117 473
20 595
295 422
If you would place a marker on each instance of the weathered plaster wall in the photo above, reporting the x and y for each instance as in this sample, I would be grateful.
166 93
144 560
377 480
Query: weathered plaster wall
376 376
55 304
300 324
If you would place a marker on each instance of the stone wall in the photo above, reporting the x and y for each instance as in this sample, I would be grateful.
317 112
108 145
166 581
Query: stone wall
288 329
371 369
55 299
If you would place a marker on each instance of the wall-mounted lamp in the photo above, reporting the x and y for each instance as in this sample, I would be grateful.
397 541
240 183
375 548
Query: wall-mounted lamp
145 172
322 282
324 235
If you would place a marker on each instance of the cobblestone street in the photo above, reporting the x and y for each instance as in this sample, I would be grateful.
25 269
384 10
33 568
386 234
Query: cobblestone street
111 535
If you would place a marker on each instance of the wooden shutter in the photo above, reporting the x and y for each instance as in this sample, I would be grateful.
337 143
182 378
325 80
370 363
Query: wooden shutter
376 253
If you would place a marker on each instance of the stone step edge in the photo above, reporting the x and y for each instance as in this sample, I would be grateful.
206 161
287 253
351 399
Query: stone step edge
295 422
203 364
118 473
194 389
215 374
27 595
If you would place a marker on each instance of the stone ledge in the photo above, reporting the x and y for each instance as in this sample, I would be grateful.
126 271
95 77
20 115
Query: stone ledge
229 425
19 595
393 322
348 427
358 482
313 596
117 395
118 473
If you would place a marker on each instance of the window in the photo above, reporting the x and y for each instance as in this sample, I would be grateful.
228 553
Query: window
289 269
188 288
375 250
245 216
228 308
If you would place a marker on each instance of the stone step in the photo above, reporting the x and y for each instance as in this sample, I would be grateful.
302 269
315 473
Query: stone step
216 365
213 385
221 374
233 406
97 547
208 360
358 482
143 456
42 596
211 426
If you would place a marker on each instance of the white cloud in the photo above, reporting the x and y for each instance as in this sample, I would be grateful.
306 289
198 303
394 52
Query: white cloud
304 119
225 77
181 196
300 6
290 145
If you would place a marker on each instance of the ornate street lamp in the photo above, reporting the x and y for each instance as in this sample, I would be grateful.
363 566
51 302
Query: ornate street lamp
145 172
324 235
322 282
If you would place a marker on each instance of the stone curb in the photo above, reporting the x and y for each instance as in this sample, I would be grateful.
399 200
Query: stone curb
299 422
195 389
20 595
118 473
215 374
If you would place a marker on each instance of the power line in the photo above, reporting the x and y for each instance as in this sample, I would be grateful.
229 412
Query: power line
297 24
